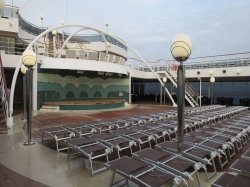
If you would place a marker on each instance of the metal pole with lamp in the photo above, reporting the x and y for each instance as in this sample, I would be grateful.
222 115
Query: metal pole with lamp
24 71
181 50
107 26
164 81
29 60
212 80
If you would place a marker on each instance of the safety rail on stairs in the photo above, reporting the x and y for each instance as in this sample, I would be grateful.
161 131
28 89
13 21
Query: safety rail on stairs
190 93
4 92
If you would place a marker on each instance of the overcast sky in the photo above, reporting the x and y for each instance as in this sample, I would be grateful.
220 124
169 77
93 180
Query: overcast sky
214 26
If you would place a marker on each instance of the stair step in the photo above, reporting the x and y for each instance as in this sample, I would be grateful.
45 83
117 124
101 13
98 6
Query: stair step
49 108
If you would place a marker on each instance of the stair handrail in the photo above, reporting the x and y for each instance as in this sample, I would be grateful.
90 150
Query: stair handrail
188 85
171 73
4 91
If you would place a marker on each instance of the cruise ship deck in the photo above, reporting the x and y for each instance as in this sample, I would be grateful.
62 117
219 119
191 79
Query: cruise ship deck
80 106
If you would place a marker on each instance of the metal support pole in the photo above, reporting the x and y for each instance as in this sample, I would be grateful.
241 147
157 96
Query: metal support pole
200 91
211 95
161 95
29 106
24 96
181 106
129 97
164 95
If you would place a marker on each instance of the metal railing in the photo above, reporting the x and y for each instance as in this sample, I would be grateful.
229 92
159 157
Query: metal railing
29 27
4 91
35 30
220 63
202 65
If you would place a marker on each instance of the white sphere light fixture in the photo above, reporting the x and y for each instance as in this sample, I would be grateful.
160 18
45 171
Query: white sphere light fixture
164 79
24 69
29 58
54 32
212 79
181 47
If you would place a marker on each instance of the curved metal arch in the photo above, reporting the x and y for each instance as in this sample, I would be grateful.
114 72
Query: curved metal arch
66 41
13 84
74 33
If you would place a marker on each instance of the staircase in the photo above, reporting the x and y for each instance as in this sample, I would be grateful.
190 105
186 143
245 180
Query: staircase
190 93
4 98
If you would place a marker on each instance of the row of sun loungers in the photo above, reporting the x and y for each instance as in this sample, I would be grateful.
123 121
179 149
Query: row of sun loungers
153 145
59 134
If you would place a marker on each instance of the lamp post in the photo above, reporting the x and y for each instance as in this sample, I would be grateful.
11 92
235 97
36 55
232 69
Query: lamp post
164 81
24 71
107 26
129 97
212 80
29 60
200 90
41 18
181 50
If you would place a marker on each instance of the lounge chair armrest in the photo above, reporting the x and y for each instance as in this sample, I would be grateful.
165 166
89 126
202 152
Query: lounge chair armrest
131 143
198 166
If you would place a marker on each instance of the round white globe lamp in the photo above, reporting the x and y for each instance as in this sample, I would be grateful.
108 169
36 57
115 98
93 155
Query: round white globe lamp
181 47
29 58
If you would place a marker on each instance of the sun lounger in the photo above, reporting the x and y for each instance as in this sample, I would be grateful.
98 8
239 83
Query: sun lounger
176 164
81 130
196 153
241 166
230 180
115 141
141 173
58 134
140 138
90 150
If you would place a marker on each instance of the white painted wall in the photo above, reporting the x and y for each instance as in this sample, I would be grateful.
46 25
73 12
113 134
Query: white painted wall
141 74
10 61
85 65
243 71
8 24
